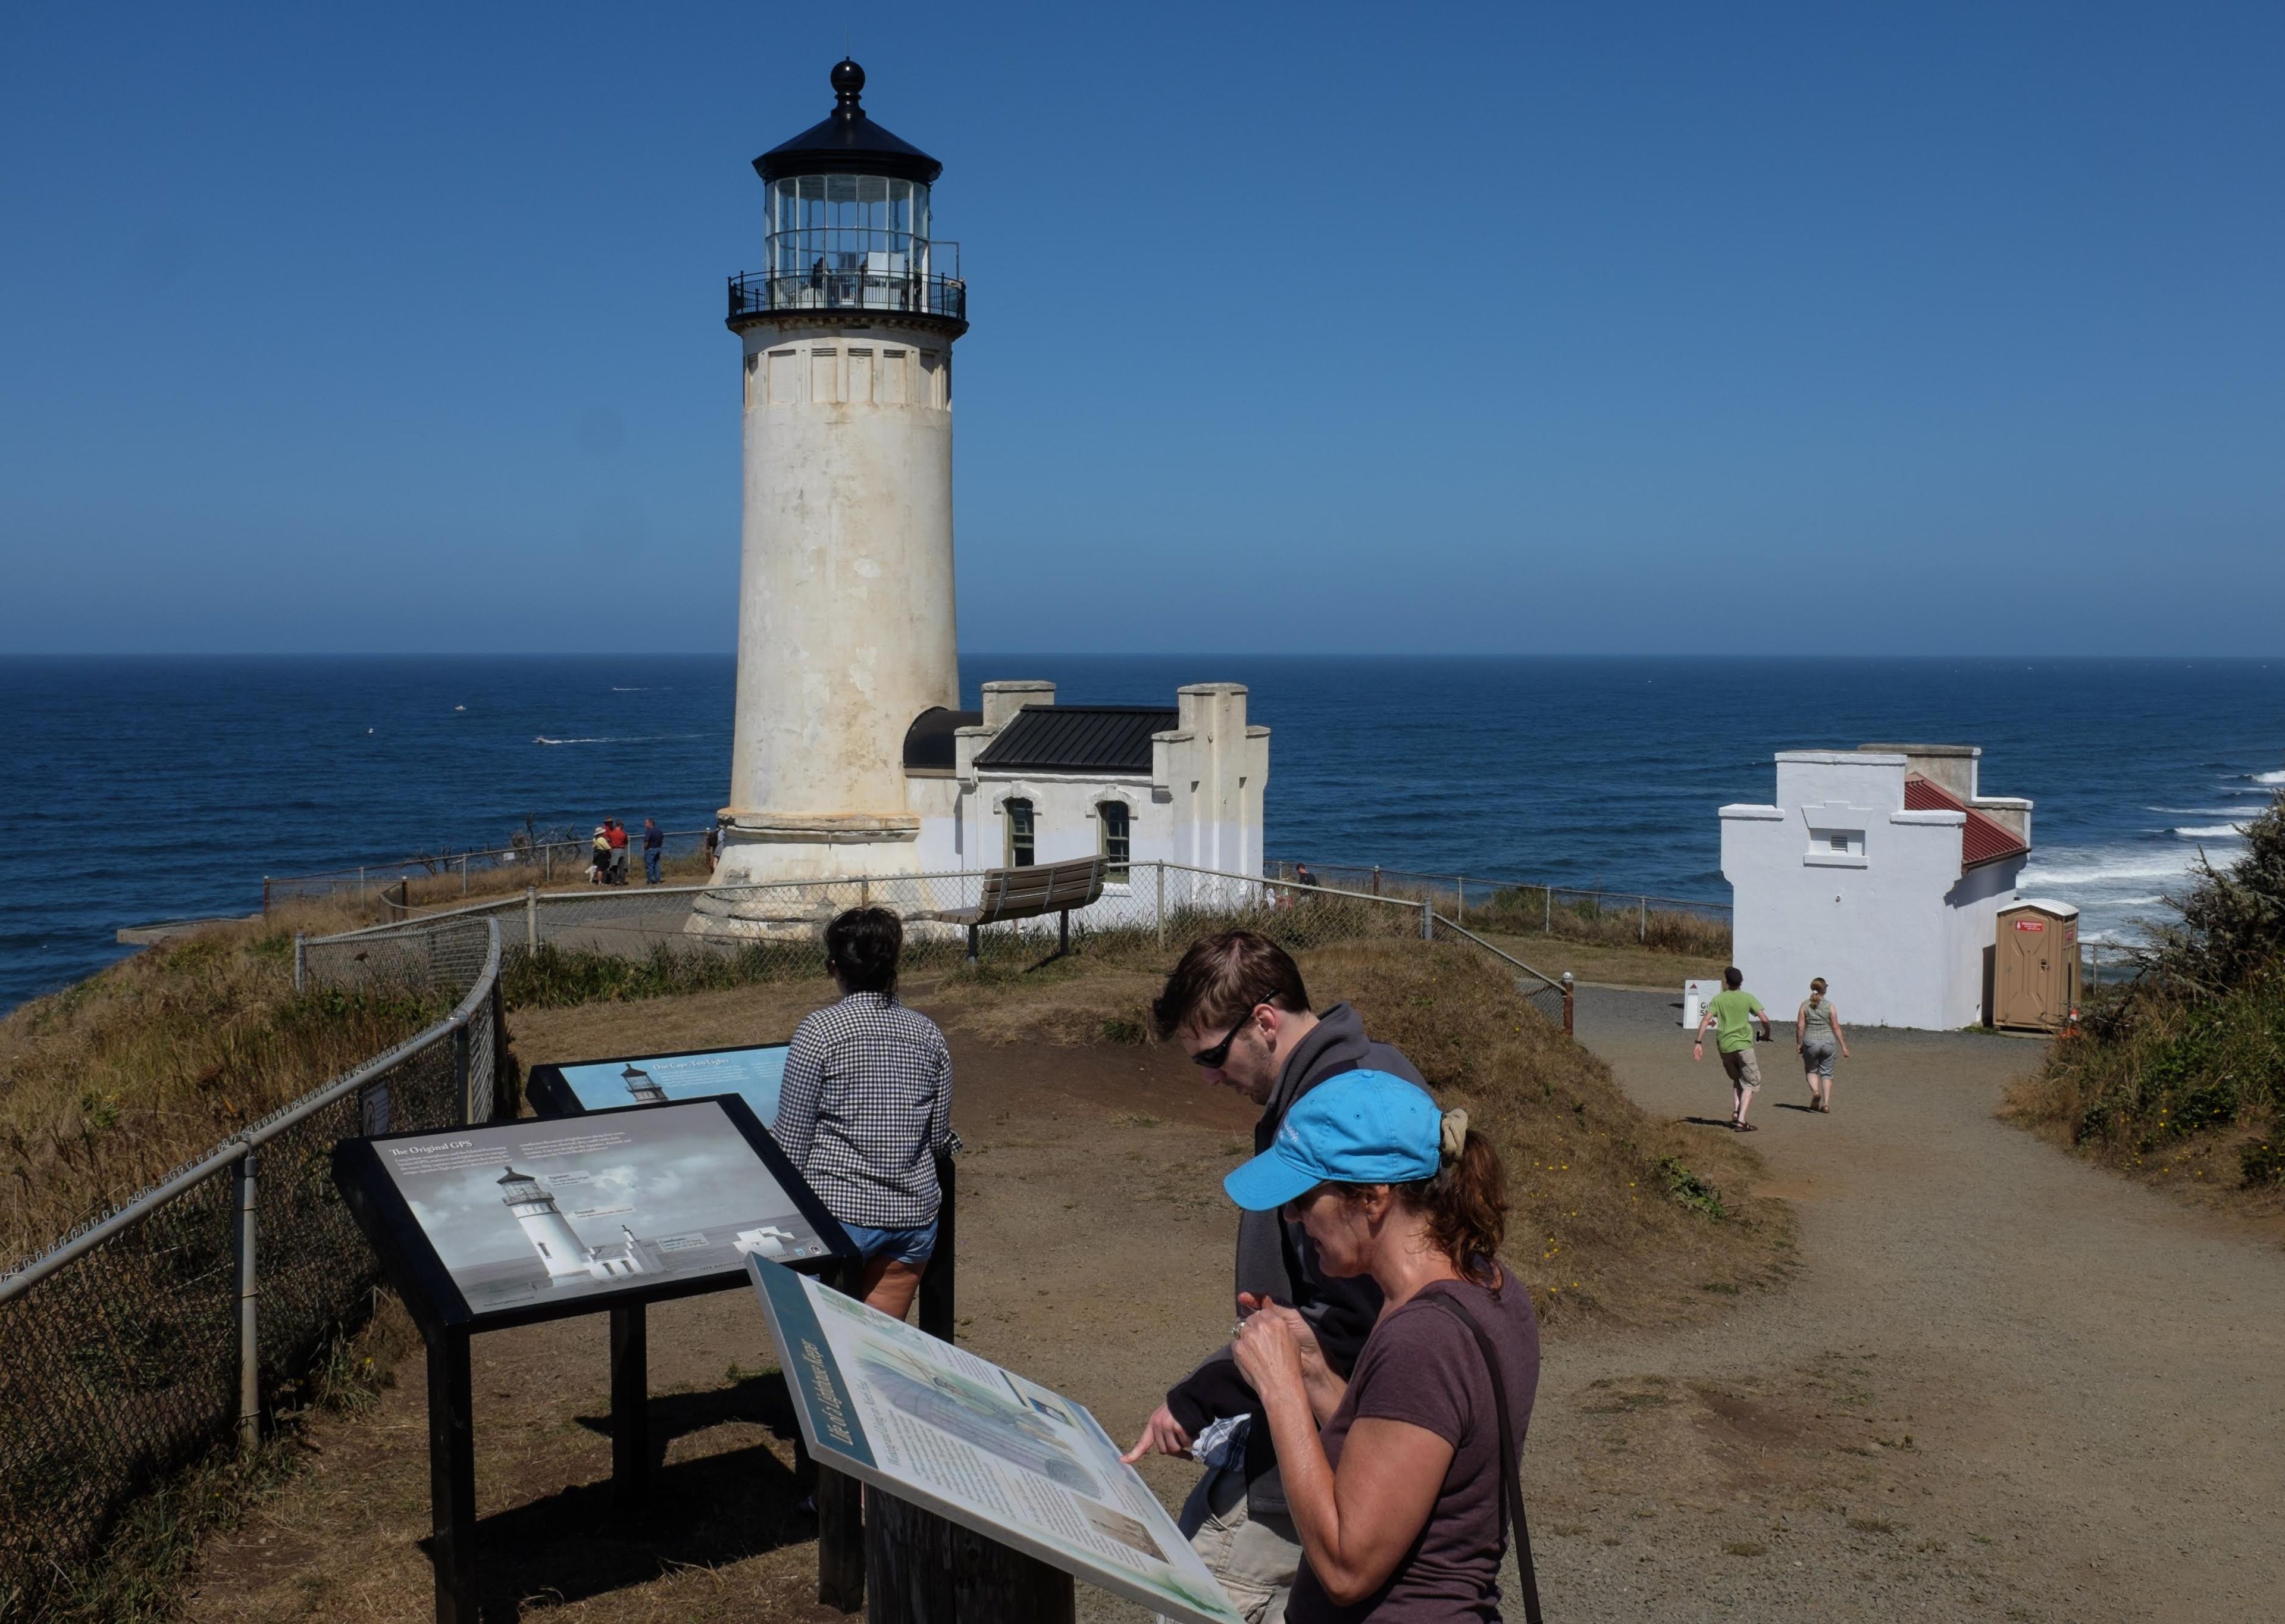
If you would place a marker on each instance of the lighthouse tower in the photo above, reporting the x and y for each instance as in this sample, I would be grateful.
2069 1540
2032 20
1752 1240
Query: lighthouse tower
559 1245
642 1086
845 627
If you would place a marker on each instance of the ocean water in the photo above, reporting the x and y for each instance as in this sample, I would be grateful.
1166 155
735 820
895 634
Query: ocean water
150 789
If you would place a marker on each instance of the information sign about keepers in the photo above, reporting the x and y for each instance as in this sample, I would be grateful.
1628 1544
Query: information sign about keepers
753 1074
932 1423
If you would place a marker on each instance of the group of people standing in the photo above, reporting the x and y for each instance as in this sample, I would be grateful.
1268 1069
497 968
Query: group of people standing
608 850
1733 1014
1361 1423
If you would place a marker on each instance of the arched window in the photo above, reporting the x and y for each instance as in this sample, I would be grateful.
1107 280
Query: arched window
1115 846
1020 843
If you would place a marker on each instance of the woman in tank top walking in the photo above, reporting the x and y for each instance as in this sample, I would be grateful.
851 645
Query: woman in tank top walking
1817 1033
1399 1500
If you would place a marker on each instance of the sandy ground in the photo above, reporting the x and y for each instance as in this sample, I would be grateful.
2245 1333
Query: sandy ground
2001 1384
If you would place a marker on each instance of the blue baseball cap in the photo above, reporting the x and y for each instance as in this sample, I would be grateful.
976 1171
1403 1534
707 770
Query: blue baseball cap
1361 1128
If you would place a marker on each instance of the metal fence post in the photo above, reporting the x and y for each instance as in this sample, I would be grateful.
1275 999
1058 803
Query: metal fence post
1547 910
547 864
462 1079
1376 879
532 919
1427 918
1162 904
1460 882
1569 989
1642 931
249 1337
300 957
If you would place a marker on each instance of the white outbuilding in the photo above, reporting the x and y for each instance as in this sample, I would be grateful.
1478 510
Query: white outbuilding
1882 869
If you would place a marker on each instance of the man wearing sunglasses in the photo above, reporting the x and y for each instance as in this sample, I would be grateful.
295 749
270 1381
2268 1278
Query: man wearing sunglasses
1236 1004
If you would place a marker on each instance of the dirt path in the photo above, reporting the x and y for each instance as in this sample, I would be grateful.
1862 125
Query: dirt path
2003 1383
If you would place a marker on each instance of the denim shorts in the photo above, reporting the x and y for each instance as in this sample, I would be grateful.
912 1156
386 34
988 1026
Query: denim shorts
896 1245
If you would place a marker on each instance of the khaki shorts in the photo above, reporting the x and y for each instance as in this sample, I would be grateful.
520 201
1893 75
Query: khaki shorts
1744 1067
1255 1558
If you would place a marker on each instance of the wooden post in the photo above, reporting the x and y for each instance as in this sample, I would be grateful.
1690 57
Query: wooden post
1547 910
1642 929
629 1405
452 1478
921 1569
532 919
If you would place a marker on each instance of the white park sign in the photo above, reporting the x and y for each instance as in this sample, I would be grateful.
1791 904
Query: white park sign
932 1423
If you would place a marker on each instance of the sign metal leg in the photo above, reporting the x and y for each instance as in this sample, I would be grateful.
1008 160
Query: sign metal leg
629 1405
938 1316
452 1477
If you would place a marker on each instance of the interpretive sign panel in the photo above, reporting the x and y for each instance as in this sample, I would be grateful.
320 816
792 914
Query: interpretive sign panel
754 1074
934 1424
513 1221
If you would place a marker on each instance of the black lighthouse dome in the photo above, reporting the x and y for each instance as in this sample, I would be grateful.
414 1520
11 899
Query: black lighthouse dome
849 225
847 141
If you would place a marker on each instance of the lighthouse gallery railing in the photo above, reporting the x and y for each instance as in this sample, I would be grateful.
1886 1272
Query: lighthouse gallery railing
139 1343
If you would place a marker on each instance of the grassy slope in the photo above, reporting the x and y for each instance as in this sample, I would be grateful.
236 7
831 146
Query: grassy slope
2175 1092
1603 1208
111 1082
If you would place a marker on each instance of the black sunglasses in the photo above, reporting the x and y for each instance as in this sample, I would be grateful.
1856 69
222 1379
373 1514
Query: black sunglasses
1215 1055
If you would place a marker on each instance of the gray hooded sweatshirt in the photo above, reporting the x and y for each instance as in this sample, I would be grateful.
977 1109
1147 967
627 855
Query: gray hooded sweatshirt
1275 1260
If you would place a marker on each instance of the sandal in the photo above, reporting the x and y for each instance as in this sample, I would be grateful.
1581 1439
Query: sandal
1745 1128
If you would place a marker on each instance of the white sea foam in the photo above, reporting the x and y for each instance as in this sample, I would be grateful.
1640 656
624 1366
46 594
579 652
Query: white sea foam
2211 831
2267 778
2069 868
2200 812
648 738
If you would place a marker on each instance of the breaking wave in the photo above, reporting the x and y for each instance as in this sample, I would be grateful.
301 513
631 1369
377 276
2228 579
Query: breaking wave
2211 831
2267 778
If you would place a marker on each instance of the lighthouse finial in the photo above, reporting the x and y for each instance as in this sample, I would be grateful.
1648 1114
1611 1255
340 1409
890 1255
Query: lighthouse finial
848 81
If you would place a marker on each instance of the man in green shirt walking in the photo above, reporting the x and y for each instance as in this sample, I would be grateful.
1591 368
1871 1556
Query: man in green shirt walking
1731 1013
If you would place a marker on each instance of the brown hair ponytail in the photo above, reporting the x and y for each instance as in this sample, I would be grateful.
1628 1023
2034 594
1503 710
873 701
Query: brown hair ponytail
1466 1203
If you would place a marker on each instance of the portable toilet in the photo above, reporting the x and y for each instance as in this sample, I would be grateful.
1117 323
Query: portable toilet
2035 965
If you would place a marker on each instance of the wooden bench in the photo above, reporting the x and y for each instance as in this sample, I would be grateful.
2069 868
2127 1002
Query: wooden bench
1032 893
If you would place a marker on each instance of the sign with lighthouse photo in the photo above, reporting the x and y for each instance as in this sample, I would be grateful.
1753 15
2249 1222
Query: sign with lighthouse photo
754 1073
531 1219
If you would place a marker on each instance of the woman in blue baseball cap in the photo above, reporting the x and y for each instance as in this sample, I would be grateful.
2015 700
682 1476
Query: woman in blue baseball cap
1401 1500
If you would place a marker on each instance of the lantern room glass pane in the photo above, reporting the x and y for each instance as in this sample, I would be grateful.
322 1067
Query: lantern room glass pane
848 241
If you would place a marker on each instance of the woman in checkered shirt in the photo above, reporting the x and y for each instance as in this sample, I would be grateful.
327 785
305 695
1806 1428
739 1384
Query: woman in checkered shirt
866 1106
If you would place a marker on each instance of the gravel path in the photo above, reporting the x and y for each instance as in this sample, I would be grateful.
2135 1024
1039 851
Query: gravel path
2001 1384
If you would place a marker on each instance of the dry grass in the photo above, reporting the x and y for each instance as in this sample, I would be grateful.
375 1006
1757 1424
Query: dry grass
1609 1209
110 1083
435 892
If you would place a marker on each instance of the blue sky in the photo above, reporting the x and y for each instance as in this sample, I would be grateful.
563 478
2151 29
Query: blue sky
1529 329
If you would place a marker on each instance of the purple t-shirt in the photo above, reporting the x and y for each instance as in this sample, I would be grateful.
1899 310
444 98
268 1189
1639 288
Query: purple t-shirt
1424 1367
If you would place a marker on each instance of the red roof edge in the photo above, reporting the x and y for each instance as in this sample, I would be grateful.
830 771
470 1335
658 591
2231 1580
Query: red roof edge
1984 840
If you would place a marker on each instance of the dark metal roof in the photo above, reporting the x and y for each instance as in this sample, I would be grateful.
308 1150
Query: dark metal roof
846 142
1984 840
929 742
1078 739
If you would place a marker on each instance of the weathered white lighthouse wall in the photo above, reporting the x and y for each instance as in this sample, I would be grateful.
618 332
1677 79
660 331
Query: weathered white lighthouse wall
846 627
1888 919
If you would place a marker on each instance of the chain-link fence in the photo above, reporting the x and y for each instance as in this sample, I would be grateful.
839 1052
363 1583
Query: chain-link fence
1498 907
437 876
695 936
141 1341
